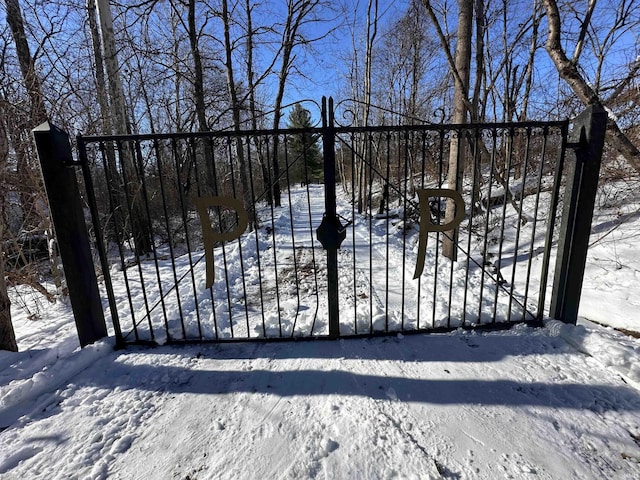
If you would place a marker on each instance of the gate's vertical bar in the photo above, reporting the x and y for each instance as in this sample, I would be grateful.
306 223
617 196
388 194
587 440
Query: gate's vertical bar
405 153
54 152
475 182
98 233
551 219
587 140
519 224
387 196
368 158
353 138
330 238
510 132
545 137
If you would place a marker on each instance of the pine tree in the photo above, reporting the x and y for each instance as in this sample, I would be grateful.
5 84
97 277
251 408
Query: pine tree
303 154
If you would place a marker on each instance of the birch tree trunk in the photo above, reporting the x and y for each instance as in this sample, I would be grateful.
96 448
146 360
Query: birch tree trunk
101 84
112 67
139 223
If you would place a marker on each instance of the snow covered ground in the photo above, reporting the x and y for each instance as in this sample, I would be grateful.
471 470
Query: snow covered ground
610 292
561 402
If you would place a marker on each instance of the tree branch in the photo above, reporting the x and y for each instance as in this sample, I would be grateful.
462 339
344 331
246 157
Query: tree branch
583 31
569 72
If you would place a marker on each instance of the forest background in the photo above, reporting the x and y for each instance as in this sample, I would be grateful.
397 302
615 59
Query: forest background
147 66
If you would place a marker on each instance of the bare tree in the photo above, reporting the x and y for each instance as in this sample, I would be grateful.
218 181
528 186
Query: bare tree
360 147
236 108
298 13
140 226
252 83
27 64
199 96
7 335
27 173
361 80
198 77
116 92
570 73
403 58
101 84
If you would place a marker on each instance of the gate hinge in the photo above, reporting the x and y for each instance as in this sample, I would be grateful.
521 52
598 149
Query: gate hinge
578 140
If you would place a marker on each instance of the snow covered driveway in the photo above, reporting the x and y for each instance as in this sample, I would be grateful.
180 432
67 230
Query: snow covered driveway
522 403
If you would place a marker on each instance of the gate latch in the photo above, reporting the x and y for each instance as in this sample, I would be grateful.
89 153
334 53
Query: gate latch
331 232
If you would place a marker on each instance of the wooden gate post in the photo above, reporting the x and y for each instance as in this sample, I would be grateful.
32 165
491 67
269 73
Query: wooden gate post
56 161
587 142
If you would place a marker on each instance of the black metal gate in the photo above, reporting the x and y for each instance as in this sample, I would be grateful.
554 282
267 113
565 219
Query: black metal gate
239 235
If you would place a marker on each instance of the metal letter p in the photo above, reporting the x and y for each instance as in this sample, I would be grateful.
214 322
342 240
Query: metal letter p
209 237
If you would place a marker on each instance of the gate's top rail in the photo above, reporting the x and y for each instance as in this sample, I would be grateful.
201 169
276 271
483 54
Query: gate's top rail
436 127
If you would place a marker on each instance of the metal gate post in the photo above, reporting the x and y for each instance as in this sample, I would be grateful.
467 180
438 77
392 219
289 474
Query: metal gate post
54 152
330 233
587 141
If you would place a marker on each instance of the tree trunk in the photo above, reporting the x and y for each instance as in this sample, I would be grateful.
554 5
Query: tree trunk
116 92
528 82
26 169
198 87
476 116
27 65
460 101
236 108
140 226
7 335
297 11
259 144
101 84
372 32
569 72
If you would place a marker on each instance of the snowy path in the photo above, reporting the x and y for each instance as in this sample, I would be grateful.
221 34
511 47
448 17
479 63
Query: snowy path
517 404
382 281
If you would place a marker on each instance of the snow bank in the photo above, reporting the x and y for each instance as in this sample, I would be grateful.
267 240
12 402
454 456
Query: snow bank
611 348
34 389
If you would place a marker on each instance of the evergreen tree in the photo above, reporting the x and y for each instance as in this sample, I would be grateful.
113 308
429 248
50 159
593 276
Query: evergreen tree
304 157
